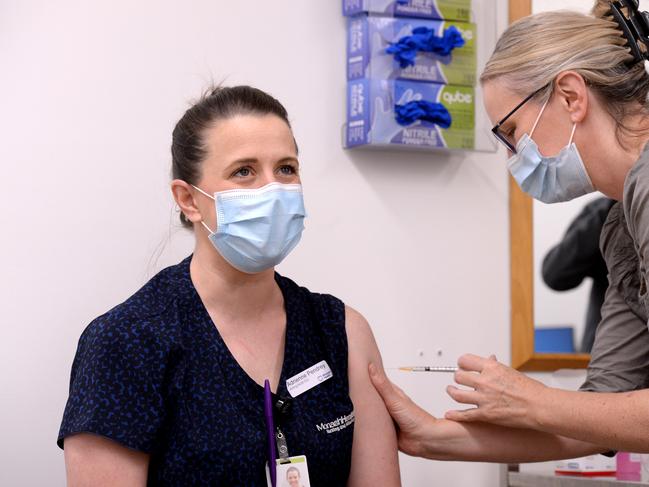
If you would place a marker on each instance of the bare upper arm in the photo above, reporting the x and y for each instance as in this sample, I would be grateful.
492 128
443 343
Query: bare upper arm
95 461
374 453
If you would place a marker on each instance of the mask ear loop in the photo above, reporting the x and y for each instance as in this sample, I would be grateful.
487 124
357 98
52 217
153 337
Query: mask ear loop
206 194
572 134
536 122
209 196
206 227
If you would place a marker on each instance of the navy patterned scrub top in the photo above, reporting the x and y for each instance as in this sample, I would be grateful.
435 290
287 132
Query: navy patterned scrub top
155 375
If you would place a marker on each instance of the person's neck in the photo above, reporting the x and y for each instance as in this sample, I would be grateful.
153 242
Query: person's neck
627 151
236 295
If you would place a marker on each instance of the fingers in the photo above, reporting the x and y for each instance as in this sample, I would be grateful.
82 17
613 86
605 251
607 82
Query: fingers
469 379
463 396
472 362
466 415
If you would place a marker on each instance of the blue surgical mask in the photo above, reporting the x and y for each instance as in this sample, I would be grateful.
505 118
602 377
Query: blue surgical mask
257 228
549 179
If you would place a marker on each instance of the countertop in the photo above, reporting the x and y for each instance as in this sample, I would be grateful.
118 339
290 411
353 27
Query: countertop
518 479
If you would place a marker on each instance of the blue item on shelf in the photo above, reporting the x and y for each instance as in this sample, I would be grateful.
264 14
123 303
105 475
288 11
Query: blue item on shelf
424 39
435 51
428 9
410 113
434 113
554 339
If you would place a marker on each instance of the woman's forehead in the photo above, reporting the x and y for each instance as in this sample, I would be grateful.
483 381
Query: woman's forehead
499 99
246 135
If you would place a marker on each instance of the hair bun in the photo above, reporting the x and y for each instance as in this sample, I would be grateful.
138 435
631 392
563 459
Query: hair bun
602 9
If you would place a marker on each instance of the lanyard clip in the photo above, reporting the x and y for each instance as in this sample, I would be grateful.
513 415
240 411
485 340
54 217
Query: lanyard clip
282 447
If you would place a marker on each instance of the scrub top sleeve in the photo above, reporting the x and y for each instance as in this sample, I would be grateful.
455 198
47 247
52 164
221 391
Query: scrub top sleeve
116 384
619 359
636 212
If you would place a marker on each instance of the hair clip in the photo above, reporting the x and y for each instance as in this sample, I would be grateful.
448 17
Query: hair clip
634 26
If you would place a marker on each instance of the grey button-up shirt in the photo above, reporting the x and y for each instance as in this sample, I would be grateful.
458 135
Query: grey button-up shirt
620 355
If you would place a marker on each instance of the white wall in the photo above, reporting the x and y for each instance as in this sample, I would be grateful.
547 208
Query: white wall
90 92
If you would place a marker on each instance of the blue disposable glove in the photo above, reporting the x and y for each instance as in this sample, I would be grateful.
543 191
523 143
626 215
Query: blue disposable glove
426 111
424 39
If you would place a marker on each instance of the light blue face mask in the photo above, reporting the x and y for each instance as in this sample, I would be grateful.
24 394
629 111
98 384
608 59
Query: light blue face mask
257 228
549 179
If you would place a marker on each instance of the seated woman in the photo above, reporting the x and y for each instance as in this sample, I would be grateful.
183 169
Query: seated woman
167 387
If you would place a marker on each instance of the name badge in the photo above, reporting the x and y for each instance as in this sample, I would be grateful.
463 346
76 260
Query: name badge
308 378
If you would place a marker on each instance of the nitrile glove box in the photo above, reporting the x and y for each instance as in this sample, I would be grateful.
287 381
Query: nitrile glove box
428 9
372 119
368 37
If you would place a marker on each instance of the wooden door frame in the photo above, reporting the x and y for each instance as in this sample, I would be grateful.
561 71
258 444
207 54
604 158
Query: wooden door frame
521 237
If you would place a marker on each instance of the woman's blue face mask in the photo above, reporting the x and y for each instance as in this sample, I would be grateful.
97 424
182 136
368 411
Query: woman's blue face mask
257 228
549 179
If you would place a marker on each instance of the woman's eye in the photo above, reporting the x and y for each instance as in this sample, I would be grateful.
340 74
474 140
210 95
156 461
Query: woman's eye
287 170
242 172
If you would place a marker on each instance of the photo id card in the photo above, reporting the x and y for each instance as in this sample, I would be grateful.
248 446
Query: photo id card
292 472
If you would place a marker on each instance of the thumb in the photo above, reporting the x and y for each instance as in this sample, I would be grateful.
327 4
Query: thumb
382 384
403 410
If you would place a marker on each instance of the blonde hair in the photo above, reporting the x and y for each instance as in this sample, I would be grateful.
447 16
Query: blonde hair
535 49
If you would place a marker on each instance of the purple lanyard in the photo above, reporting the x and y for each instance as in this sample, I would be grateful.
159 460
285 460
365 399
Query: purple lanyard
270 430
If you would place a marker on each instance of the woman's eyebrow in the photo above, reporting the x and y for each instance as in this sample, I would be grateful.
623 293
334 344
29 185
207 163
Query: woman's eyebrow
239 162
289 159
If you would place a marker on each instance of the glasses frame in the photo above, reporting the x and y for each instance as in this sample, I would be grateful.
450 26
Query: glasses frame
496 128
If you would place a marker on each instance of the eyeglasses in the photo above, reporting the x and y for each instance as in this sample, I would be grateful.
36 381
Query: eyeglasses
502 138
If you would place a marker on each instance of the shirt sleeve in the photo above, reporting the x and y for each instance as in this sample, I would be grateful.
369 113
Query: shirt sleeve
620 356
116 384
636 212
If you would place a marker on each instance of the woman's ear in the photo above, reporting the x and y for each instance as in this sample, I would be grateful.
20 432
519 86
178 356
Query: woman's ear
184 196
570 87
